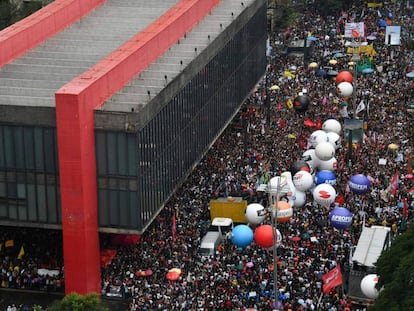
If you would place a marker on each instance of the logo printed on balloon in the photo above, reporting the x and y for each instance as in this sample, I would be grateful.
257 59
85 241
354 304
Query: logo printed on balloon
324 194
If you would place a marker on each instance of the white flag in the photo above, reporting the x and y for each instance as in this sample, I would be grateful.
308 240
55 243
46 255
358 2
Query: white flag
360 107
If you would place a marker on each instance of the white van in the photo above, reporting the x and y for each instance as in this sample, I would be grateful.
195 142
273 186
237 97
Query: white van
210 242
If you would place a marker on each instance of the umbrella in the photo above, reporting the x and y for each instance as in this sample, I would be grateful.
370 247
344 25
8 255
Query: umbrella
313 65
351 63
382 23
295 238
408 176
332 73
338 55
368 70
410 74
393 146
333 62
321 72
311 38
249 264
148 272
275 87
291 136
172 276
371 38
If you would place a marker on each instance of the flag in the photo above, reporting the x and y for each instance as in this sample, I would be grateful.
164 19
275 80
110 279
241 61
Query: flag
360 107
332 279
394 184
355 33
21 253
9 243
174 227
405 208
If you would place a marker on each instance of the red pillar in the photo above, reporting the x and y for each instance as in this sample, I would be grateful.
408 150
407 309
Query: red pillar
76 145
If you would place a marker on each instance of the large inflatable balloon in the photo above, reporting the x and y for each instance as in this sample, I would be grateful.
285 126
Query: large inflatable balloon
344 76
324 151
329 165
324 194
325 177
340 218
344 89
303 180
359 184
368 286
300 199
263 236
309 157
332 125
286 187
317 137
241 235
301 103
284 211
255 213
299 165
334 139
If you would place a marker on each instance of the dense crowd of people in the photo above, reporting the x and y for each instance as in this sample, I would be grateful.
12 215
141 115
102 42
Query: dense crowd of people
263 141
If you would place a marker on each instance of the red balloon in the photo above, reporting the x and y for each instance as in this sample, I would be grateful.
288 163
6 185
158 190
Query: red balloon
344 76
263 236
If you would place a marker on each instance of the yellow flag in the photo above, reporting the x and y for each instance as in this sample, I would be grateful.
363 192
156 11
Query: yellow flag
21 253
9 243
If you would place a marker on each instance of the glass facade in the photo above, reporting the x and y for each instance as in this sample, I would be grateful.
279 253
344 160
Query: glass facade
136 172
29 182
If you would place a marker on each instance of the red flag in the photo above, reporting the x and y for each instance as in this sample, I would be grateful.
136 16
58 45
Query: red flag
355 33
405 208
174 227
332 279
394 184
409 161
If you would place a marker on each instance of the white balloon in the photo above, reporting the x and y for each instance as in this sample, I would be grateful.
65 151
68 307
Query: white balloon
300 199
317 137
329 165
310 157
334 139
303 180
324 194
368 286
332 125
345 89
324 151
255 213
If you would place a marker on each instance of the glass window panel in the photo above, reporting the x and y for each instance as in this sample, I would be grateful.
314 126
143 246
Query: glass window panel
41 203
103 207
122 154
29 149
32 202
51 204
101 156
19 147
9 147
38 148
114 207
124 208
112 153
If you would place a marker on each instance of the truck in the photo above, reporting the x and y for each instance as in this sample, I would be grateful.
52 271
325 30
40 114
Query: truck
219 230
371 243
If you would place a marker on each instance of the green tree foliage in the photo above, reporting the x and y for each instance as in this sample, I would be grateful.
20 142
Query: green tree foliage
330 7
395 268
11 11
76 302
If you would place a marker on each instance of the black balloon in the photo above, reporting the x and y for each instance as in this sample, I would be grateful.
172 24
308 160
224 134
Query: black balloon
301 103
299 165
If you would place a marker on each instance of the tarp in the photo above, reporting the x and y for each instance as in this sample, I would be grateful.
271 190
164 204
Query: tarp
125 239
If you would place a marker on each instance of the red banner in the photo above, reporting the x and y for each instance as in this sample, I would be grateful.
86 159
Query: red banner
394 184
332 279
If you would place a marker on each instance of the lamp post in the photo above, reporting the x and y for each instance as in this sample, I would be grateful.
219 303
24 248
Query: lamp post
273 190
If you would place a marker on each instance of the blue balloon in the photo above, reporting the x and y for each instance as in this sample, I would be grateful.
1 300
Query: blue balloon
359 184
340 218
242 235
325 177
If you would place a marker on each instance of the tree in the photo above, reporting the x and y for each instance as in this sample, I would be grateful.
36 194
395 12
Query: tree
76 302
395 268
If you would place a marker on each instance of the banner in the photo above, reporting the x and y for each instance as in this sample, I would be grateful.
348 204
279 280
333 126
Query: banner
394 184
354 30
332 279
